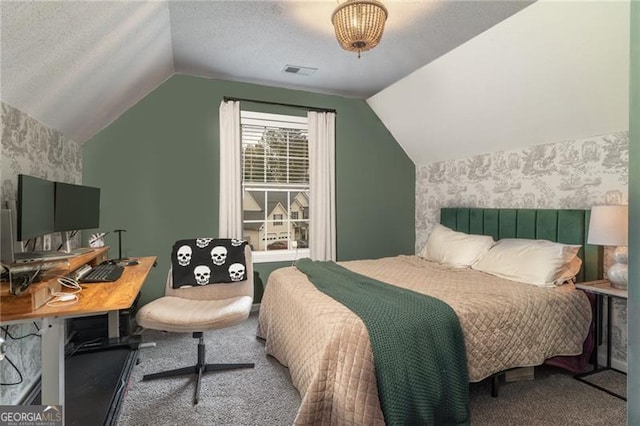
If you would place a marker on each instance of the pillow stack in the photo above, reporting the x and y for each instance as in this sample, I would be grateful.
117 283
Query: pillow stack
539 262
455 249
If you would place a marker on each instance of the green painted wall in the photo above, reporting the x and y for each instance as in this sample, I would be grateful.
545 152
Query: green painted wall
157 165
633 307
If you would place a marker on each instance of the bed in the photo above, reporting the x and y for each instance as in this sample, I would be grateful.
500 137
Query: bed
505 324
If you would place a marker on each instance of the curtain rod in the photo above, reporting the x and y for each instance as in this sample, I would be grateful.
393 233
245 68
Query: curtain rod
310 108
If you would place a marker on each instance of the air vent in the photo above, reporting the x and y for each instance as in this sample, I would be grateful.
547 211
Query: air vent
299 70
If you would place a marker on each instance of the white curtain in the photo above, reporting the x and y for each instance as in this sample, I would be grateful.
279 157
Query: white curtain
322 182
230 225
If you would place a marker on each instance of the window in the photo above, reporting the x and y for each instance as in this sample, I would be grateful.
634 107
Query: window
275 184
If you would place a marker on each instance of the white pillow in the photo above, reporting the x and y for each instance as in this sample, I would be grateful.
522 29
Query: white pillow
539 262
454 248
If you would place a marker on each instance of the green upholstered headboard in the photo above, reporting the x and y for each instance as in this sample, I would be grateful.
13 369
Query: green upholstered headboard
563 226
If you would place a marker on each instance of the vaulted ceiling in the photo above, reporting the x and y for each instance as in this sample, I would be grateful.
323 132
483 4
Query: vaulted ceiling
76 66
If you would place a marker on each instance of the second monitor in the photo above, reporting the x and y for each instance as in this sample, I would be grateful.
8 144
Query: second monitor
76 207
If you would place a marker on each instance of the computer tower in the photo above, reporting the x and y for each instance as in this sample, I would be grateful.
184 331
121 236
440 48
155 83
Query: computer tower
93 328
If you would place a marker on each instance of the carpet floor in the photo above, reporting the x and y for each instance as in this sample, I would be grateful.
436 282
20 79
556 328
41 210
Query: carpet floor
265 396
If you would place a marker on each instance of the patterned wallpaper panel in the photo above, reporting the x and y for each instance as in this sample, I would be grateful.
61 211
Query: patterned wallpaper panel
29 147
571 174
576 174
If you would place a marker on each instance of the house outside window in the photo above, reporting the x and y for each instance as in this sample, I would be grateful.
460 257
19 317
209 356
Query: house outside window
275 184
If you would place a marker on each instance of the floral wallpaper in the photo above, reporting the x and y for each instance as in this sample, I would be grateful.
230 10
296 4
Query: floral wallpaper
29 147
32 148
576 174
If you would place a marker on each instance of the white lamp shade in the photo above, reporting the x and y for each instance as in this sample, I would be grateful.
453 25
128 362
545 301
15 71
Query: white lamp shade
609 226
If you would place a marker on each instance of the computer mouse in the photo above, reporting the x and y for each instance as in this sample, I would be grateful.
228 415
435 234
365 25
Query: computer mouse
66 297
132 262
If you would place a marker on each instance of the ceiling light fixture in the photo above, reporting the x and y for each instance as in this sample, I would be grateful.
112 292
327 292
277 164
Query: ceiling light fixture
359 24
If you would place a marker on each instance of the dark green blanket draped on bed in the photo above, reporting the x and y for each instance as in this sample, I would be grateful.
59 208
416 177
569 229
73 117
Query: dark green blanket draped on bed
417 342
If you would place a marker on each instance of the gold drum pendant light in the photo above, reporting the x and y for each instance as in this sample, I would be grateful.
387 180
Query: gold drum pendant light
359 24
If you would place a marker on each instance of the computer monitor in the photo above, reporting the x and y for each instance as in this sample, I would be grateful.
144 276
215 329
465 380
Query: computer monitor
35 207
76 207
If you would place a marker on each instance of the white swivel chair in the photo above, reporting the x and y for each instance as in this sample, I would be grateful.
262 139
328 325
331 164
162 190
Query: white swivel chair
198 309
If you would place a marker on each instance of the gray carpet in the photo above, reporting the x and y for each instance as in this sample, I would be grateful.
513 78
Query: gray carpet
612 380
553 398
265 396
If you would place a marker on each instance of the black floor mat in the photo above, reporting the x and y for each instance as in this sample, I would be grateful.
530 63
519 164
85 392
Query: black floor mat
94 384
95 379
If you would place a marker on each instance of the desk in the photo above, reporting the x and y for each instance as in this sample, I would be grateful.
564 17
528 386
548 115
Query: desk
93 299
602 288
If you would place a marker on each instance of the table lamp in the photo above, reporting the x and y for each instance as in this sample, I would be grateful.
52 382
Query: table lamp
609 226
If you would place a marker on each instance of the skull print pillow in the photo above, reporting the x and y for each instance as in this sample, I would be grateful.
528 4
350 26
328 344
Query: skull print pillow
202 261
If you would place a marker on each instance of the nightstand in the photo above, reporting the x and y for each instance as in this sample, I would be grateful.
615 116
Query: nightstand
601 289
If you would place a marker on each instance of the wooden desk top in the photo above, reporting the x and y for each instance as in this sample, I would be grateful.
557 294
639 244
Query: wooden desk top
94 298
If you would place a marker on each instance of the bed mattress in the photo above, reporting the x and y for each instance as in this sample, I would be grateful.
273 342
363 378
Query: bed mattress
326 347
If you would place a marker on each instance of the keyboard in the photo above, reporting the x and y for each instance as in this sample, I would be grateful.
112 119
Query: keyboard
102 274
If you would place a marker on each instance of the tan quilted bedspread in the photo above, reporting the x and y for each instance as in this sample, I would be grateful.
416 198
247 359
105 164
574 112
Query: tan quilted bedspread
326 346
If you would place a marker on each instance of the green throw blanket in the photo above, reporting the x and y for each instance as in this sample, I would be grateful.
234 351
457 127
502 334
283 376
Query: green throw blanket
417 342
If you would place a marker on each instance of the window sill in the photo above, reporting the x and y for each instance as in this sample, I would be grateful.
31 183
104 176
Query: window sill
279 255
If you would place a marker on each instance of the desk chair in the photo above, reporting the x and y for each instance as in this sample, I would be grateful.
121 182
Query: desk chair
195 310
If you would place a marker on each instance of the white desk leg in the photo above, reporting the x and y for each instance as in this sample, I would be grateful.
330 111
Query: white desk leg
114 324
52 353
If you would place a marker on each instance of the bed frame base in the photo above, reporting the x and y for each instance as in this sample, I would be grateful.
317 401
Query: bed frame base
495 383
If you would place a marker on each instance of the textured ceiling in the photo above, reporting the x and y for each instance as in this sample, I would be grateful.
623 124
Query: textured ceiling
76 66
